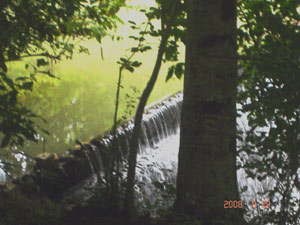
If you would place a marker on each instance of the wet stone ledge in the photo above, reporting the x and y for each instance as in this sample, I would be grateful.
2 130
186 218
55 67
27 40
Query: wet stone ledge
52 176
70 179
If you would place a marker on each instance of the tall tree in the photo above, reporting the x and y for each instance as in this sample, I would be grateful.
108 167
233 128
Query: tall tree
207 154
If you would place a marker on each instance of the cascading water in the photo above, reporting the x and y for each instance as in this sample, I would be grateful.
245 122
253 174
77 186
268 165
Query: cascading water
2 174
158 157
156 162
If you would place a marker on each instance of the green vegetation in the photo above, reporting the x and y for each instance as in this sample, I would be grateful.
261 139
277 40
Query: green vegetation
80 104
22 210
167 11
44 30
269 41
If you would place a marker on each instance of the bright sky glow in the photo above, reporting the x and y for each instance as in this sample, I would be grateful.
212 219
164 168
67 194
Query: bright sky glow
143 3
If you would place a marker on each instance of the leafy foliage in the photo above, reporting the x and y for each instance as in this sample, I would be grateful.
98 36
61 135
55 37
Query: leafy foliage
269 41
269 46
133 144
42 29
177 35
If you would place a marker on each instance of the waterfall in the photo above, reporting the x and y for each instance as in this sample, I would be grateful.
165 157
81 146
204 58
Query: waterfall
158 156
160 121
156 162
2 174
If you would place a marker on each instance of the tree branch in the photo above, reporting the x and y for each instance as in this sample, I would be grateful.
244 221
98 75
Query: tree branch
36 55
133 145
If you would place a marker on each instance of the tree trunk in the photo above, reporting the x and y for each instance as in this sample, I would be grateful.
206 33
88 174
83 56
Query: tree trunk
207 154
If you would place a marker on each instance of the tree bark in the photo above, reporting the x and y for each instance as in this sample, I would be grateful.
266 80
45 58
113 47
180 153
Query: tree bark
207 155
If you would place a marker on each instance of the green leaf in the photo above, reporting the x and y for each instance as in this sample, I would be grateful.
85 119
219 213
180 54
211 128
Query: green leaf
170 73
41 62
143 32
179 70
51 75
27 86
136 64
123 60
134 49
132 22
129 68
134 37
9 82
145 48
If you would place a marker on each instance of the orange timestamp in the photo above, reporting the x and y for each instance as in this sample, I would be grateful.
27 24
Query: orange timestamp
239 204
